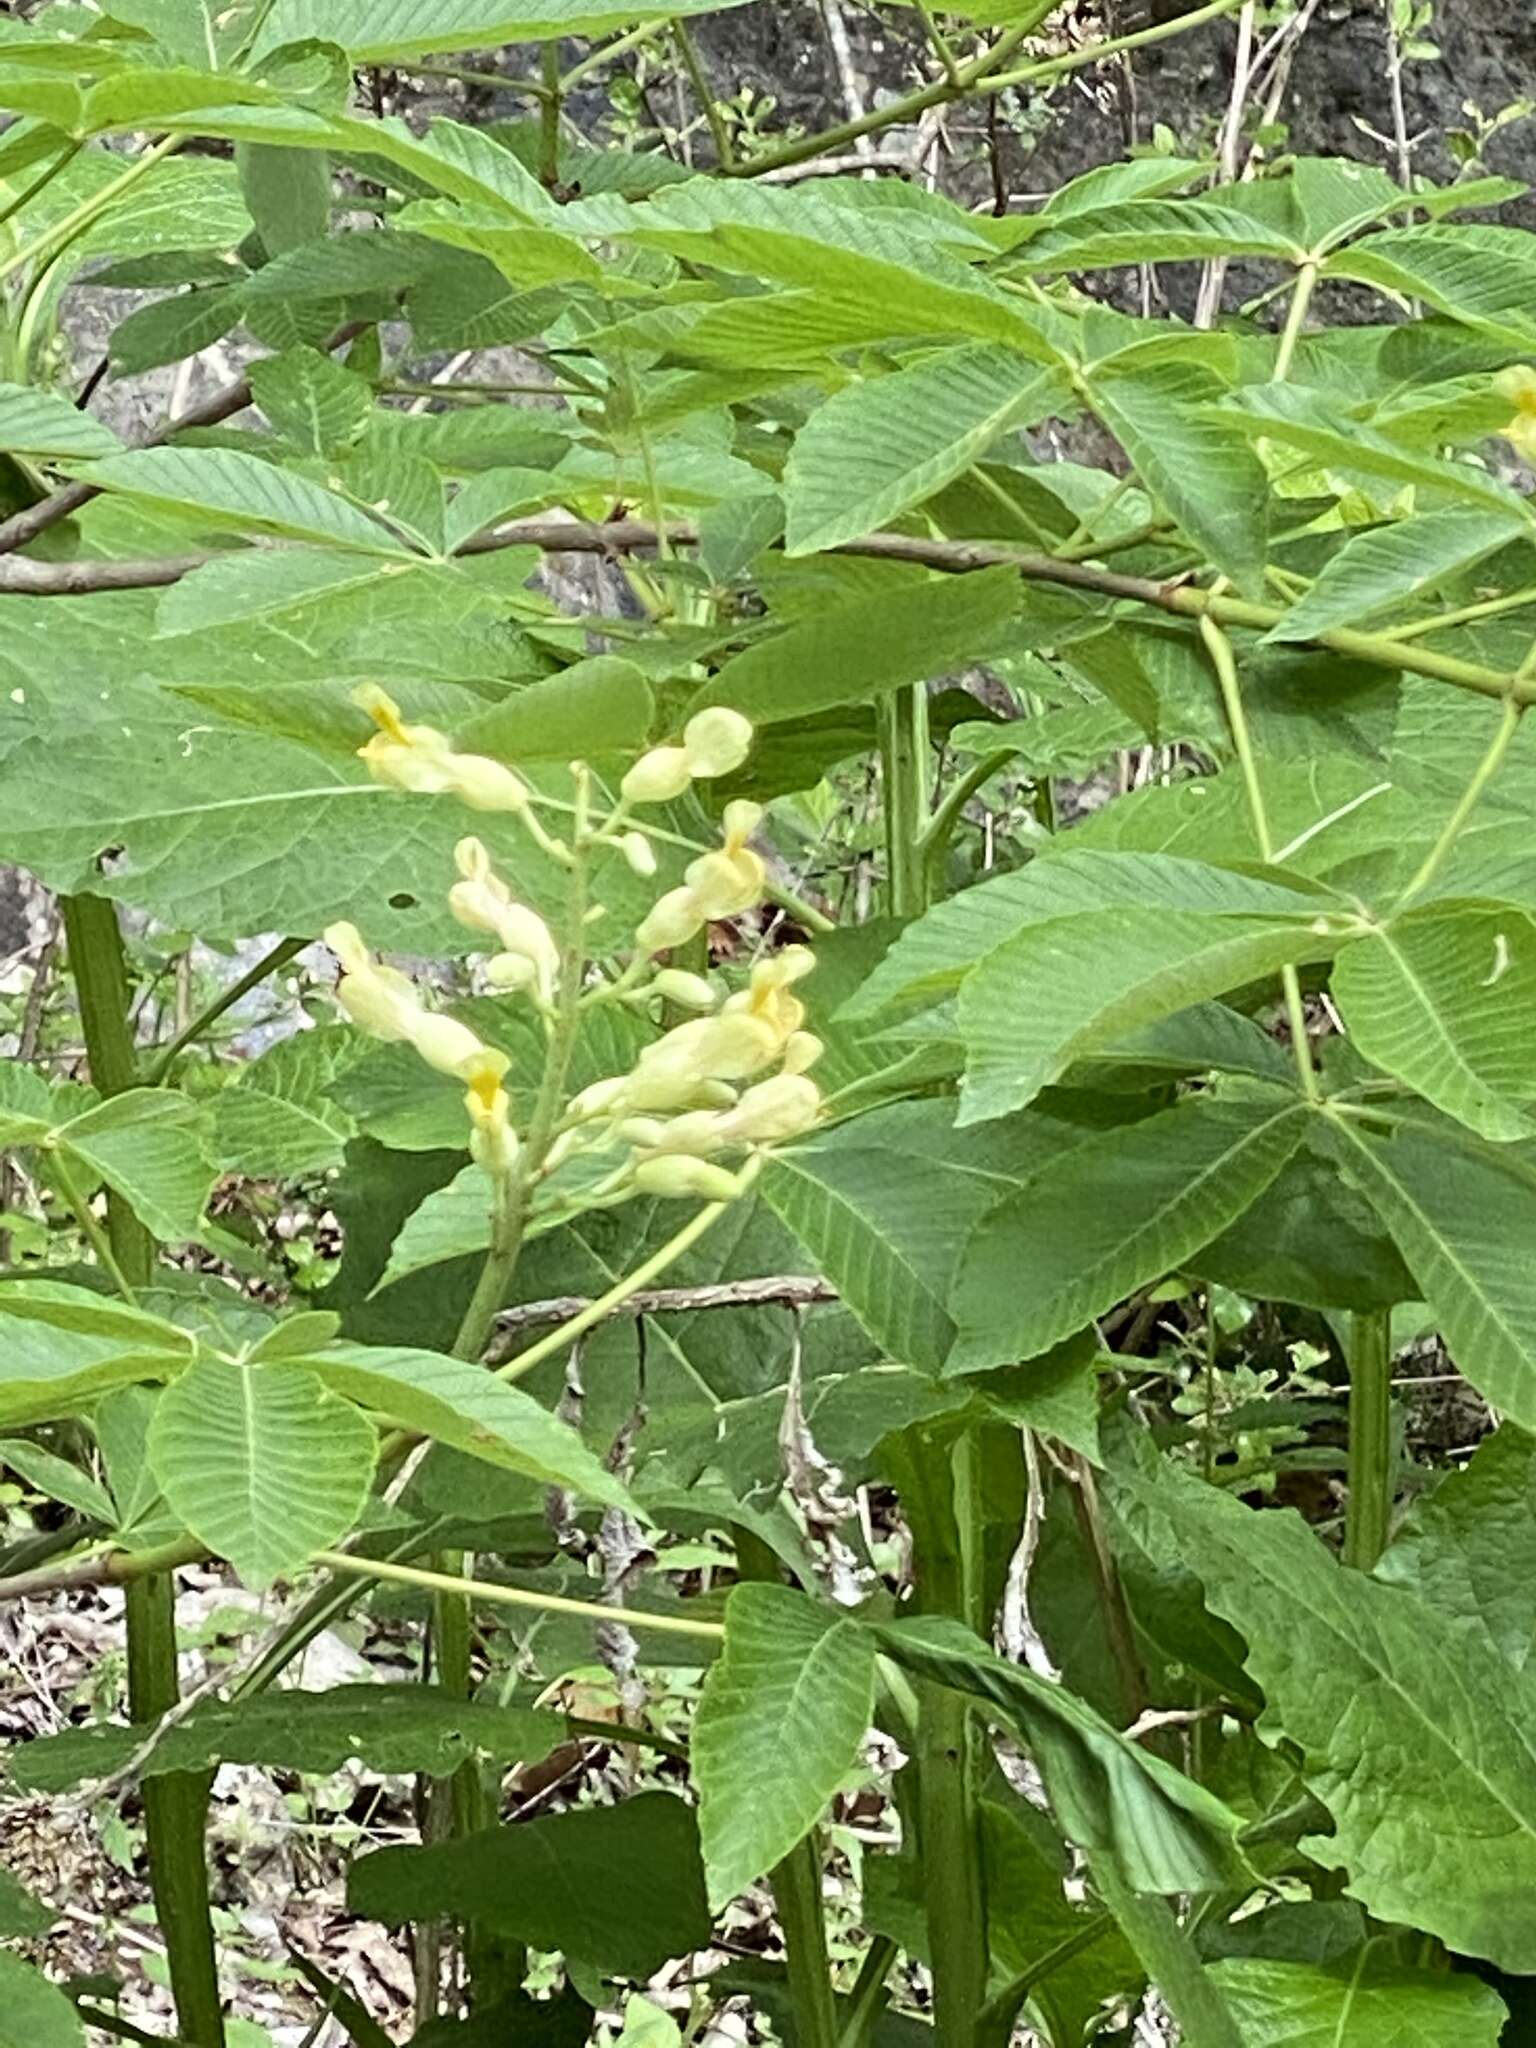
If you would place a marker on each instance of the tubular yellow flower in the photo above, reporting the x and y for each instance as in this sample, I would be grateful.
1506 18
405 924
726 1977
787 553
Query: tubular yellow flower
782 1107
716 740
724 884
421 759
672 920
380 1000
492 1140
1518 385
450 1046
657 777
802 1049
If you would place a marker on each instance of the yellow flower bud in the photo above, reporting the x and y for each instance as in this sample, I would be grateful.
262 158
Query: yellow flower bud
657 777
688 991
716 740
510 973
525 935
529 957
672 920
730 881
697 1131
598 1098
782 1107
638 851
485 785
677 1175
802 1049
1518 385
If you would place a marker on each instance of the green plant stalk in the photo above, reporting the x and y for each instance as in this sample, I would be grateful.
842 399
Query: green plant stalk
1219 647
1290 334
80 217
175 1805
512 1596
175 1817
44 177
1169 1959
902 724
275 957
948 1750
869 1996
630 40
720 135
941 826
632 1283
1004 2007
98 1239
1493 760
550 106
1368 1511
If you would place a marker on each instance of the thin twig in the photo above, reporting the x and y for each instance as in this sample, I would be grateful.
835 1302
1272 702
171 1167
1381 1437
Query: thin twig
782 1290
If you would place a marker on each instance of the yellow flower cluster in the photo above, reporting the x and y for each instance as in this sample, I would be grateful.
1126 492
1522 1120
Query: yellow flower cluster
1518 385
679 1105
386 1004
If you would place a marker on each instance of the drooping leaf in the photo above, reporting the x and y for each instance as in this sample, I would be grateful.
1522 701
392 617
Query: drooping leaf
619 1887
784 1709
599 706
312 400
58 1479
1151 230
1442 998
21 1915
36 422
1089 1229
461 1404
880 446
388 1728
1165 1832
141 1144
1462 1216
64 1346
261 1463
1413 1735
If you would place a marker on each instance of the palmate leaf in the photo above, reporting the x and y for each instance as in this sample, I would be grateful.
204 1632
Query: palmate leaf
1443 998
1386 566
380 31
882 445
388 1728
261 1463
1463 1216
1165 1832
784 1709
1367 2002
885 1203
1090 1228
619 1887
1415 1737
461 1404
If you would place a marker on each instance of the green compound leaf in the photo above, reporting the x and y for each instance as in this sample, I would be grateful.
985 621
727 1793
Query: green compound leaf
784 1709
261 1463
